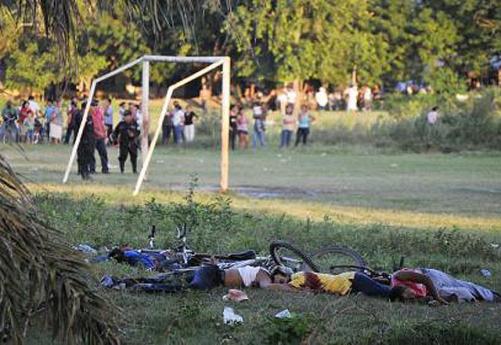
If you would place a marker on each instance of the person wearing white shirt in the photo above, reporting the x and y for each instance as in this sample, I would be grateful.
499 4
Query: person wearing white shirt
35 108
352 93
322 98
177 123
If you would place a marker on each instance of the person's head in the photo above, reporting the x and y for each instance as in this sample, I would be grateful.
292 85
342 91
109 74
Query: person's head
188 108
31 98
435 108
177 106
25 104
128 116
94 103
50 102
117 254
304 108
289 109
402 294
281 275
59 102
83 105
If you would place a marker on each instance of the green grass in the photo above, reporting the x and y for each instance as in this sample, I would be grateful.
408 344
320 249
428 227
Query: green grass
437 210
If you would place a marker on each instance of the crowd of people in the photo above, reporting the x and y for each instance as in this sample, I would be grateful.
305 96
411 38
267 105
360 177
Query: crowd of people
28 123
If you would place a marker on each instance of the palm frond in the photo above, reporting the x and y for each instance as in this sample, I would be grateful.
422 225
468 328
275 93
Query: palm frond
38 270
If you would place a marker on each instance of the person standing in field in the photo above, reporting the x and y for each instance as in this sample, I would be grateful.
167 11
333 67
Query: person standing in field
49 111
288 122
367 98
85 151
100 134
56 123
70 120
351 93
121 111
189 125
108 117
304 121
126 134
9 116
177 123
322 99
35 108
167 128
259 125
242 129
233 126
432 116
29 126
24 113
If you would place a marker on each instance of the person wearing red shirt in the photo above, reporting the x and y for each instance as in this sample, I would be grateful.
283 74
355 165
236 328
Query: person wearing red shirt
100 134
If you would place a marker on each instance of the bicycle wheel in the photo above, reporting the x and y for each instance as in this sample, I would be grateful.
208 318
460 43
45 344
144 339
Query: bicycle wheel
285 254
338 259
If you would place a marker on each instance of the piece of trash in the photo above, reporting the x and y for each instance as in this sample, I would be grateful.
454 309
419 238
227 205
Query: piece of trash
394 165
495 245
323 154
107 281
230 318
235 295
85 248
486 273
284 314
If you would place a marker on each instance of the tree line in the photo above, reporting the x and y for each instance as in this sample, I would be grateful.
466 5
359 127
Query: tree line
437 42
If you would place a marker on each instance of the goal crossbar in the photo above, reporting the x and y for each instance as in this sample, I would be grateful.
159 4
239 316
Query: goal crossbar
215 62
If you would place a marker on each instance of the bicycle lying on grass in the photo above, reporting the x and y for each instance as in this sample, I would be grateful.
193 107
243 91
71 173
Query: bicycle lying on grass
334 259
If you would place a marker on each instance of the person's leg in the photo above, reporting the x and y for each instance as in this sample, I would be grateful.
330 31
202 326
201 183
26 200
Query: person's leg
122 157
164 135
186 133
233 137
368 286
262 139
298 136
103 155
305 135
283 136
288 138
133 158
206 278
192 133
254 139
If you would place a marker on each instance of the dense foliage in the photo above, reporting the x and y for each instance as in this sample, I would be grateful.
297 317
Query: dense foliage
437 42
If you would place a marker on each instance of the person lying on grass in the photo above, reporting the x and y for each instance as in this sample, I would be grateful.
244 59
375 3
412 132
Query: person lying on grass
426 283
210 276
204 278
339 284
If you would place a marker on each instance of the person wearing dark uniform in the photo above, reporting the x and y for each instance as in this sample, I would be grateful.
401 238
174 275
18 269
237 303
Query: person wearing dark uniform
85 151
126 133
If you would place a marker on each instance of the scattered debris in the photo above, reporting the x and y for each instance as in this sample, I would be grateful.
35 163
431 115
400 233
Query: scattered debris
486 273
284 314
235 295
230 317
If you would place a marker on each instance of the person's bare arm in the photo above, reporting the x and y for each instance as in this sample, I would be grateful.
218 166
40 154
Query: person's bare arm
421 279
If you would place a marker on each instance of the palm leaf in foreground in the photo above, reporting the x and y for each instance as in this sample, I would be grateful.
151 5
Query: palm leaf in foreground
40 273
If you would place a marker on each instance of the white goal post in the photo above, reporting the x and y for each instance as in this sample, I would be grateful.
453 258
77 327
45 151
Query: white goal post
147 152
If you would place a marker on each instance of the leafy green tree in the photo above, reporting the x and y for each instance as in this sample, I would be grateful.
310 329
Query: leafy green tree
32 67
307 39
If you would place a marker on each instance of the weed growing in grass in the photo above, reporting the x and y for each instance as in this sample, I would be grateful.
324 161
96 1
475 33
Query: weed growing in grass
293 330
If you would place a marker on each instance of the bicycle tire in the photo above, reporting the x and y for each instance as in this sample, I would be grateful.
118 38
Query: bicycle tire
274 252
356 260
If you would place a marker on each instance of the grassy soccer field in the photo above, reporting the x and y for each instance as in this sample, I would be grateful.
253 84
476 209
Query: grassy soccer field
436 210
